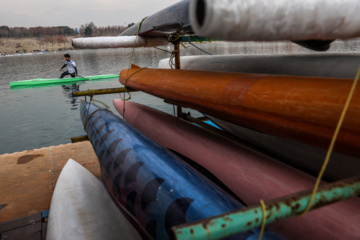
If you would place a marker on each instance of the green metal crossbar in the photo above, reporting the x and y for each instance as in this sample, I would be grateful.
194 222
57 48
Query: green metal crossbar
246 219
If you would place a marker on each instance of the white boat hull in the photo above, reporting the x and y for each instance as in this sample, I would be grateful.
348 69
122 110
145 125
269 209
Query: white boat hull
81 209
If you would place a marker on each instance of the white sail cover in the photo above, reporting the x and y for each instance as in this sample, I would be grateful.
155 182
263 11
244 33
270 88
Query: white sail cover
118 42
311 65
272 20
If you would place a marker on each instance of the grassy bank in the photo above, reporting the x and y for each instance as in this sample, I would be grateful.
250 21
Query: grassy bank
13 45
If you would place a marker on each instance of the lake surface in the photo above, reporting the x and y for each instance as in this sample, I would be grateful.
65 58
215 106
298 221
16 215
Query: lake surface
33 118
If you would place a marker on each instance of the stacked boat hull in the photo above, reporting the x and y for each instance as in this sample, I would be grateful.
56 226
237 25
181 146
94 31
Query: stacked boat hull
339 65
304 109
152 185
250 175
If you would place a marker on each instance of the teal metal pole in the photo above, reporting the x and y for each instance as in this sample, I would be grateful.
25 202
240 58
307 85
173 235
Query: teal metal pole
246 219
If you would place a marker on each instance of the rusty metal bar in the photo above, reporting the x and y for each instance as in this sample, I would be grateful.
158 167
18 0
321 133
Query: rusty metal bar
177 66
101 91
177 56
79 139
179 111
246 219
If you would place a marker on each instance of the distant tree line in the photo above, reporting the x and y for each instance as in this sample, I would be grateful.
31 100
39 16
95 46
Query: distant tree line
88 30
22 32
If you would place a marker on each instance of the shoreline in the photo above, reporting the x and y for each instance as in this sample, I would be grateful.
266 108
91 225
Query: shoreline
13 46
40 167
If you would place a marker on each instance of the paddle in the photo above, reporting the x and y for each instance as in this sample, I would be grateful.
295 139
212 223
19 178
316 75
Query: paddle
78 76
86 79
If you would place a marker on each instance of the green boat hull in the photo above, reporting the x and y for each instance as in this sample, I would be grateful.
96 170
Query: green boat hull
41 81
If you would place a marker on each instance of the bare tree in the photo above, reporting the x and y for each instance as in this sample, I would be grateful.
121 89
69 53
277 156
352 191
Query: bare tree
65 41
2 43
25 47
23 32
60 40
4 31
46 39
41 42
52 42
18 46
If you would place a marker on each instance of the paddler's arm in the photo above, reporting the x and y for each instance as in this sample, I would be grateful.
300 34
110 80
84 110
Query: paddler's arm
63 67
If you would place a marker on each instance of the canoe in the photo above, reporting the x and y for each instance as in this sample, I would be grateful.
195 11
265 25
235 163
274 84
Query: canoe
171 20
239 169
81 209
153 31
154 186
63 84
335 65
304 109
40 81
175 19
300 155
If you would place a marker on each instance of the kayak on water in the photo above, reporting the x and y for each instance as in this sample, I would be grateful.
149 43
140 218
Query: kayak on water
59 80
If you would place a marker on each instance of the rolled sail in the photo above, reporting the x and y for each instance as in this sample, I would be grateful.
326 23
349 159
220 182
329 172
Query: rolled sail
271 20
339 65
118 42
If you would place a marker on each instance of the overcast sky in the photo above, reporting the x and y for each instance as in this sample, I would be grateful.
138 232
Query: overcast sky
74 13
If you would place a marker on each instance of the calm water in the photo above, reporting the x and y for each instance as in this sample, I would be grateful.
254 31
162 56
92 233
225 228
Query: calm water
40 117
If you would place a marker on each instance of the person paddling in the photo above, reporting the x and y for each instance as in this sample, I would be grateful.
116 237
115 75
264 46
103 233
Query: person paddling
72 70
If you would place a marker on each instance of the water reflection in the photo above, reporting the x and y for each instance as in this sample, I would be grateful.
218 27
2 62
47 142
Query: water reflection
68 90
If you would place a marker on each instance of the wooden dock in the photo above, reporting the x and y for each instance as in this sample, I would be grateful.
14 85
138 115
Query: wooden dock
27 179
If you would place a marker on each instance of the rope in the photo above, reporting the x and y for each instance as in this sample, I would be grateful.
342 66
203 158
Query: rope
127 78
333 140
132 55
199 48
91 93
197 40
171 60
263 219
177 37
173 39
162 50
134 73
182 44
327 158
